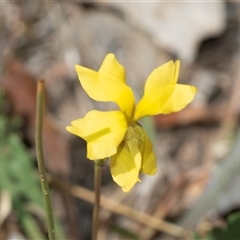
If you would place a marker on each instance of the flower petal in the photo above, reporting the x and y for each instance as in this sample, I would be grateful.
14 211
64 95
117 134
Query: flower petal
165 74
162 94
134 155
149 163
125 165
103 132
108 84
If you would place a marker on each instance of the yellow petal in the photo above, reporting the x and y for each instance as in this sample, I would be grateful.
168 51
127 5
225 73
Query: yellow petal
162 94
108 84
149 163
126 164
165 74
103 132
134 155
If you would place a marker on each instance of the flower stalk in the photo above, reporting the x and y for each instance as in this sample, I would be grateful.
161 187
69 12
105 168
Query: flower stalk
98 164
40 159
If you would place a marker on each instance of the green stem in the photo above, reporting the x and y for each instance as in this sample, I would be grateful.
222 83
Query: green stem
40 159
97 185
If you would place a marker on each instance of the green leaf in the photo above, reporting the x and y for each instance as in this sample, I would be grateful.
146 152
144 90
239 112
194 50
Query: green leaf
31 228
19 177
232 231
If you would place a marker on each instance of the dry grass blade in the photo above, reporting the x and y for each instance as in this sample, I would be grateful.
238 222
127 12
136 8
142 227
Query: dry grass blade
121 209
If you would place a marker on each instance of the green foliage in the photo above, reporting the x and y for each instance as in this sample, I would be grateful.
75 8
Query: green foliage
16 168
232 230
19 177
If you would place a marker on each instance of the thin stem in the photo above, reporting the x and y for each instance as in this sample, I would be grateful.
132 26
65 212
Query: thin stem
40 159
97 185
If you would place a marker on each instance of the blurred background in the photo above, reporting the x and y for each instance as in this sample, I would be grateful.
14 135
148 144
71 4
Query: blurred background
198 149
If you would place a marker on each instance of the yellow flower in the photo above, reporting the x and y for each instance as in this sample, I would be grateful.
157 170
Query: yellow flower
116 134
